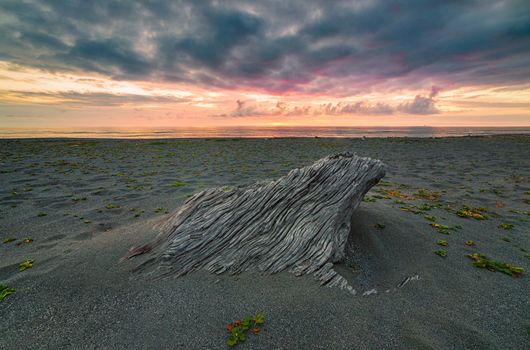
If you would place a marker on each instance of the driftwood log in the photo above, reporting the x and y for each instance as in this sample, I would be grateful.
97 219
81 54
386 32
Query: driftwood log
299 223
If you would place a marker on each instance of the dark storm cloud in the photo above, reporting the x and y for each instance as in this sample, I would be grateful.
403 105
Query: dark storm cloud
72 98
279 46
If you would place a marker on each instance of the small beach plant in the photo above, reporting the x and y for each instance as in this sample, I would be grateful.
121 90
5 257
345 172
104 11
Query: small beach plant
25 265
469 212
9 240
480 260
5 291
239 328
441 252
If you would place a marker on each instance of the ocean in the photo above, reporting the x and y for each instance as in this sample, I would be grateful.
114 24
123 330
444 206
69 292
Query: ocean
260 132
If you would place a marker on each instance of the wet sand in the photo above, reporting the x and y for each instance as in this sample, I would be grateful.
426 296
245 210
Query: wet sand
84 203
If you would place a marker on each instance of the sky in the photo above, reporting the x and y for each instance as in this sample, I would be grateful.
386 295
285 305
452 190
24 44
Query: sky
122 63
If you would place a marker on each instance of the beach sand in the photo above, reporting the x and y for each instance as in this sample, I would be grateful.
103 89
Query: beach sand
86 202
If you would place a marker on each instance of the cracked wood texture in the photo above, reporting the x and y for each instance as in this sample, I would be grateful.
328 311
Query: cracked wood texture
299 223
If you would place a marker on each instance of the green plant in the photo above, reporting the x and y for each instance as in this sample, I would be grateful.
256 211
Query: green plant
5 291
238 329
430 217
506 226
441 252
442 242
9 240
41 214
369 199
423 193
379 226
469 243
480 260
25 265
475 213
25 241
444 228
177 184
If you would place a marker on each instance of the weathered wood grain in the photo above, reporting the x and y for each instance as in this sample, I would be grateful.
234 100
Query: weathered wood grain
299 223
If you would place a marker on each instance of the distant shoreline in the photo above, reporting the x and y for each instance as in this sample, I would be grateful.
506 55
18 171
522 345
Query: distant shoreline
264 133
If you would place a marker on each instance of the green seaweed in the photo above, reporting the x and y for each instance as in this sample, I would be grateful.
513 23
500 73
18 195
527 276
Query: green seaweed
425 194
441 252
506 226
469 212
481 261
25 265
430 217
27 240
379 226
9 240
5 291
442 243
177 184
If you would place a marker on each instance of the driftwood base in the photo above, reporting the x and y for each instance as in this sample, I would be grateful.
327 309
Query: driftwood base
299 223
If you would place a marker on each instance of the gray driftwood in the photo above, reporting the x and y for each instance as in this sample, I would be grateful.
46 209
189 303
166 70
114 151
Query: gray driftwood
299 222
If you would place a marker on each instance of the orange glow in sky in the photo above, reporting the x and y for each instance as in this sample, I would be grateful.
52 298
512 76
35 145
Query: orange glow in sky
29 97
342 63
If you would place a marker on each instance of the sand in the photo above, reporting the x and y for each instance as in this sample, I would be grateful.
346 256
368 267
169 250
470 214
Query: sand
86 202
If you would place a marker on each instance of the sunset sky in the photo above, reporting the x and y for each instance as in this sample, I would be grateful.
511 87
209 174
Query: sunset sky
111 63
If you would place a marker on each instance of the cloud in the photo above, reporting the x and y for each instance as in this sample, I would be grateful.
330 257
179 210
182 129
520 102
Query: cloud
422 104
329 47
419 105
72 98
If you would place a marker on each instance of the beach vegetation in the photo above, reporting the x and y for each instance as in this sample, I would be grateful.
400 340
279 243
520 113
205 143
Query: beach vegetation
369 199
469 242
506 239
441 252
442 243
177 184
239 328
25 241
5 291
425 194
469 212
41 214
444 228
481 261
506 226
379 226
430 217
397 194
9 240
25 265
